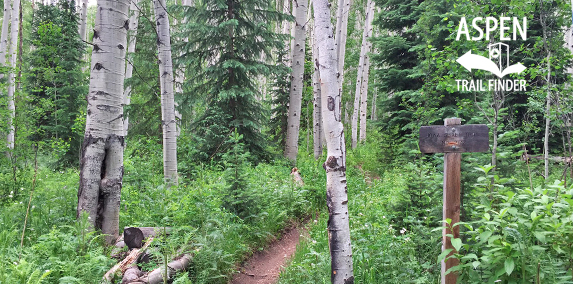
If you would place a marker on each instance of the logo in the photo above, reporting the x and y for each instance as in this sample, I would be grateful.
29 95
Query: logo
498 61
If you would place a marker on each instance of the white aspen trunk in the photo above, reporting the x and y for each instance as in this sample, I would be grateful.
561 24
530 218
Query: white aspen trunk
15 18
132 39
291 147
3 47
335 165
83 19
366 73
339 8
101 166
4 36
169 123
363 48
373 113
341 40
318 133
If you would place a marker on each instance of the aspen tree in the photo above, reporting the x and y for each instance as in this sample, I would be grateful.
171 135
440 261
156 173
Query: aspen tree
4 36
335 165
366 73
101 165
360 73
291 148
15 18
341 35
168 120
318 132
133 24
83 19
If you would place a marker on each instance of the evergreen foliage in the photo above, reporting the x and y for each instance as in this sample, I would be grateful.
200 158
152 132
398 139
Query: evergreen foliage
54 79
229 41
144 111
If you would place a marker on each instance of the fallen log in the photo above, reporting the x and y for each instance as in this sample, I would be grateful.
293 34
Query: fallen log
131 274
147 232
156 276
126 262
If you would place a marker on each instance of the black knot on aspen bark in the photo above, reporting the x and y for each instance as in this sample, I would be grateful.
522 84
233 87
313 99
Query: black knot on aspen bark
331 162
126 25
350 280
330 103
96 34
98 66
96 48
120 46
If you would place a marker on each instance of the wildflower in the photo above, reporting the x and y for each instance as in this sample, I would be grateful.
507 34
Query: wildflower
33 206
403 231
314 241
315 221
407 239
383 217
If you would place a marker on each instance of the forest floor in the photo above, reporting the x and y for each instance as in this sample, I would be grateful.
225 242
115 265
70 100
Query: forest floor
265 266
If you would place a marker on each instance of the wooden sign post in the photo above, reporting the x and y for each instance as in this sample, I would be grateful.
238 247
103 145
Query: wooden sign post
452 139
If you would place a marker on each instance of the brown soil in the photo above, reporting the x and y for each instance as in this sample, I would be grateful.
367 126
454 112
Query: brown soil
264 266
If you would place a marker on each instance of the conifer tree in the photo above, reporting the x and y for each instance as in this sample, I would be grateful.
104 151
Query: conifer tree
55 81
225 51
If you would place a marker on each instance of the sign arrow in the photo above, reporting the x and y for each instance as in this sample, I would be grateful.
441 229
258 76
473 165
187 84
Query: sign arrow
473 61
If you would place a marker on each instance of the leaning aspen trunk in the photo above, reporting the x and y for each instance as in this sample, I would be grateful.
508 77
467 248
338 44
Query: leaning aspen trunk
133 24
318 133
366 73
168 121
101 166
83 19
335 165
359 74
15 18
291 147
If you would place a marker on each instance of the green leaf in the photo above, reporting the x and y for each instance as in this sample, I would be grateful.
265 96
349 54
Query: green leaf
509 265
475 264
540 236
457 243
443 255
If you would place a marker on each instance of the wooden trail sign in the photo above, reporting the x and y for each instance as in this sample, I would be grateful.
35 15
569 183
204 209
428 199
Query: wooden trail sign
452 139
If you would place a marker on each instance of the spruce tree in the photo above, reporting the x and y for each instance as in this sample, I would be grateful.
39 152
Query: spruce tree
55 81
227 39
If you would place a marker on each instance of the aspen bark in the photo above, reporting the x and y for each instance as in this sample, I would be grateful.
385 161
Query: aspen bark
101 166
4 36
341 35
318 132
168 121
293 129
133 24
83 19
360 73
366 73
3 47
335 165
15 18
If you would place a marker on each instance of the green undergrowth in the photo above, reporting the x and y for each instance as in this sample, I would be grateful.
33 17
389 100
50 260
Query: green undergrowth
59 249
382 252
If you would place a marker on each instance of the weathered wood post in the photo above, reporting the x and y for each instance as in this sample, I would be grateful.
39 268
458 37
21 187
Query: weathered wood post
451 210
452 139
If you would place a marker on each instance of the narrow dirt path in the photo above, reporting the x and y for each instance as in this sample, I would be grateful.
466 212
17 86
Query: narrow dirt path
264 266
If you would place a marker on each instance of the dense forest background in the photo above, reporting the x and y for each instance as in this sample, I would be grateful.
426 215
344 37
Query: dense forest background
246 101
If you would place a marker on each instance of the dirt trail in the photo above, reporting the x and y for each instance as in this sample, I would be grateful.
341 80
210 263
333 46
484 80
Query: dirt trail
264 266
